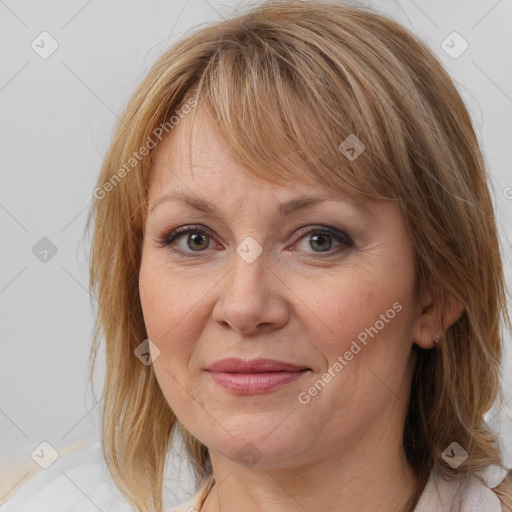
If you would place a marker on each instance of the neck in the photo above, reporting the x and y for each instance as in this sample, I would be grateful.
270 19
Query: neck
370 475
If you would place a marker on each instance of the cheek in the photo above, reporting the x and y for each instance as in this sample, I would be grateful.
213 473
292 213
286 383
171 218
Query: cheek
153 298
353 306
166 299
364 328
167 307
364 320
176 308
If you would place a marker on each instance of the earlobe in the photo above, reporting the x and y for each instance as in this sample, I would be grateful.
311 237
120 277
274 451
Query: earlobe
435 319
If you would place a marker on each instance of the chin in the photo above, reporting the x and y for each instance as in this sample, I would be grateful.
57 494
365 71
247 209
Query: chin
265 443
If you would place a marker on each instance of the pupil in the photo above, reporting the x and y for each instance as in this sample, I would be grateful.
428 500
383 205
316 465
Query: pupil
322 238
196 240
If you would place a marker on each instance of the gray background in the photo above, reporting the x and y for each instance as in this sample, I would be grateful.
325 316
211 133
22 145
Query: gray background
57 117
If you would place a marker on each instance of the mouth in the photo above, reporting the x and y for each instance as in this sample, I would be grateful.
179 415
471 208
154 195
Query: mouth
236 365
255 376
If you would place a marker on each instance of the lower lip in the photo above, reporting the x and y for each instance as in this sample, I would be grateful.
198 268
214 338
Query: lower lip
252 383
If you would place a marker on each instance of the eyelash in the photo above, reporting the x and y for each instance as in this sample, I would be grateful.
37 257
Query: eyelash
171 237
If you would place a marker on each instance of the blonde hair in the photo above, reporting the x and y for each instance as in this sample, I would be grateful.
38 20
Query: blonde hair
285 83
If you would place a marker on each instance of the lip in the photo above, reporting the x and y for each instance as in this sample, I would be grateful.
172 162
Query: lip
254 376
236 365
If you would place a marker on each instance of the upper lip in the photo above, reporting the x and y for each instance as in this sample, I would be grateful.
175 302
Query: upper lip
236 365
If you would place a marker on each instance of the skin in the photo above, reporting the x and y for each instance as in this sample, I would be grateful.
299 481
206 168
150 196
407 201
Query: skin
342 450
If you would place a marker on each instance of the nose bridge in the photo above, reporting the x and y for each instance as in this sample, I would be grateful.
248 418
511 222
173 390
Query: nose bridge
248 297
250 266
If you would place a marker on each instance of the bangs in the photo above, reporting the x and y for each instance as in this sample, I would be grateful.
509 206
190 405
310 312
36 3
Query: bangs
277 109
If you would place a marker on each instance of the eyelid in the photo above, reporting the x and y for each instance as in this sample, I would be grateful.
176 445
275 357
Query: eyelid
312 228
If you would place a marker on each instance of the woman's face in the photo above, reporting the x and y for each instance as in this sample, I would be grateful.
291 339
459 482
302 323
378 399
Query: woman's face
326 287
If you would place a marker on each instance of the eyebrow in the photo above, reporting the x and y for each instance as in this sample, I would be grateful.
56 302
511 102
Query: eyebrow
284 208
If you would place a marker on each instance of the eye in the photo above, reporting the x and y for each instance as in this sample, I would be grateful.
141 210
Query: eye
321 239
196 239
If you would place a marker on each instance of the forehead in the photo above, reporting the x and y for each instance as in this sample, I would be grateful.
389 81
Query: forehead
194 156
194 160
194 165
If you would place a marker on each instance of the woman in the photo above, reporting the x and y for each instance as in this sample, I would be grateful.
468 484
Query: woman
297 263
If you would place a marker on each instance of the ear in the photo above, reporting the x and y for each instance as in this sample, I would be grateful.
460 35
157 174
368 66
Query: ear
434 318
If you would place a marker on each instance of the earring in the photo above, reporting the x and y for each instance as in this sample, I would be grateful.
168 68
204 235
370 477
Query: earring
437 339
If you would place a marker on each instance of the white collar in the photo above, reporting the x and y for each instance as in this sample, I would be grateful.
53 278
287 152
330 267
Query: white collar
439 495
472 495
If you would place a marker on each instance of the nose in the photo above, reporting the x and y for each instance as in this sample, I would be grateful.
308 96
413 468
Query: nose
252 298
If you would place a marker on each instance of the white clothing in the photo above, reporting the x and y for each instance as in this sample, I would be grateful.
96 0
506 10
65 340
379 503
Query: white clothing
438 496
80 482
